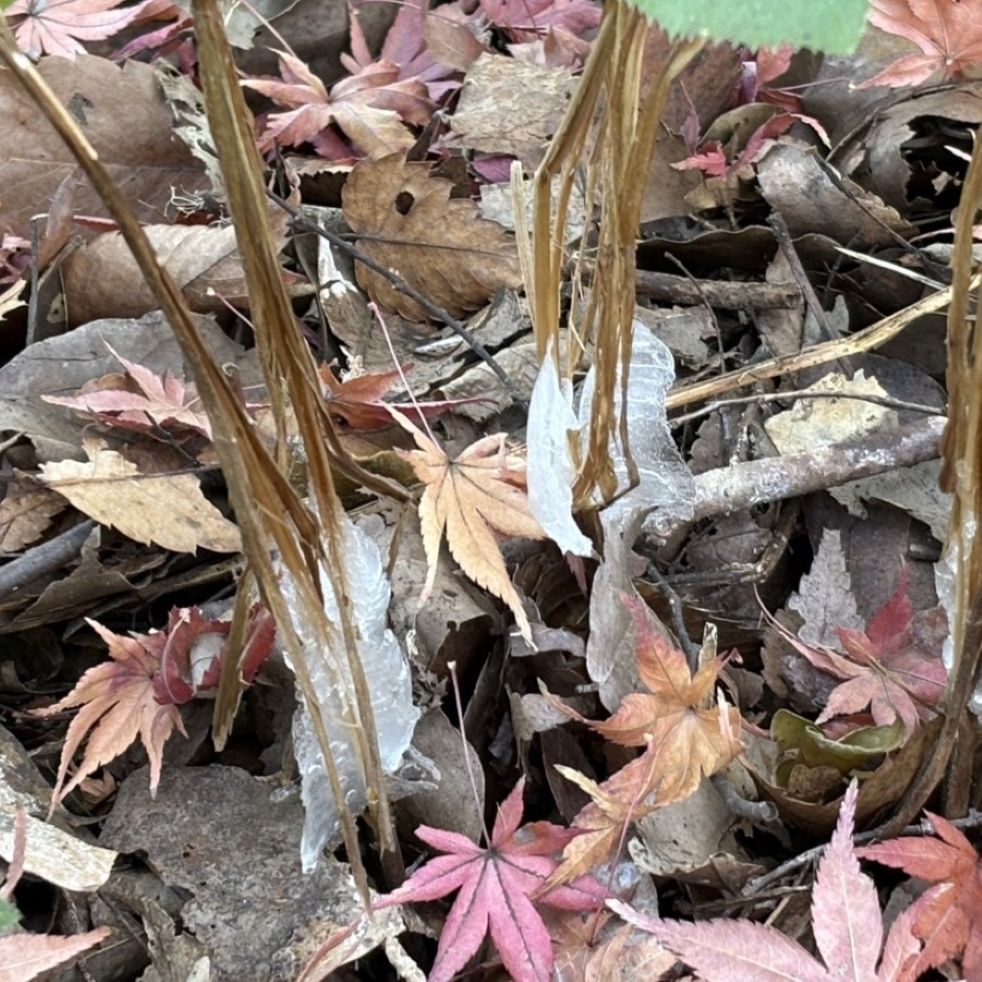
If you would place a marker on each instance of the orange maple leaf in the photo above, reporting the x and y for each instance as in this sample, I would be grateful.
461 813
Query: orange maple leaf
948 33
686 735
470 498
118 704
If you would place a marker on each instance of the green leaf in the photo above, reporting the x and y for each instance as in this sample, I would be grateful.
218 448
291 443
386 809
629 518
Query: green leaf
834 26
9 914
814 749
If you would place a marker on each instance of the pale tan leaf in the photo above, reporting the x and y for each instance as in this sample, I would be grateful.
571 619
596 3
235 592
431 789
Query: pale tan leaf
168 510
469 499
25 513
438 245
25 956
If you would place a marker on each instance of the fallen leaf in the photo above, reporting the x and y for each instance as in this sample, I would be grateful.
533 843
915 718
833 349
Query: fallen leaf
118 703
948 33
886 670
166 509
24 956
846 922
689 736
469 498
361 107
25 514
948 915
122 113
496 890
10 298
438 245
357 399
102 279
42 27
142 401
524 20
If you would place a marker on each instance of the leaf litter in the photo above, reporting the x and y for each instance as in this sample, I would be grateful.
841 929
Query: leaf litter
605 663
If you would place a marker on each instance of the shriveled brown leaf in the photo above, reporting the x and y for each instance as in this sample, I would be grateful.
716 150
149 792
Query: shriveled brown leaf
124 116
25 514
166 509
470 498
102 280
438 245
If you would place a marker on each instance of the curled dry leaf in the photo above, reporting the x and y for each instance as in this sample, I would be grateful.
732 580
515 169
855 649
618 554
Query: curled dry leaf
470 498
118 704
440 246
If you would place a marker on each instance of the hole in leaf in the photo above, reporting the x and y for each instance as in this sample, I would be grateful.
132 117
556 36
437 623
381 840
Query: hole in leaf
404 202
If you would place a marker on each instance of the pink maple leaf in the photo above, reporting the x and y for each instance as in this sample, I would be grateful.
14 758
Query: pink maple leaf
56 27
947 32
525 20
948 915
889 668
141 401
498 890
846 921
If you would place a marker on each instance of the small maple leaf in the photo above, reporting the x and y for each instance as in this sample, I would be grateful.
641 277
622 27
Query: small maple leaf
685 735
56 27
888 668
948 33
358 399
948 915
497 886
137 693
846 921
469 498
118 704
141 400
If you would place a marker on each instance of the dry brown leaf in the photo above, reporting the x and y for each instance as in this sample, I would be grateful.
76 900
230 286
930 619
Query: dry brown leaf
10 298
102 280
442 247
124 116
532 98
168 510
475 495
25 514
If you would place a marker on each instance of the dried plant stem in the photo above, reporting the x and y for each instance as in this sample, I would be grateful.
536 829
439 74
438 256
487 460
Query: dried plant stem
819 354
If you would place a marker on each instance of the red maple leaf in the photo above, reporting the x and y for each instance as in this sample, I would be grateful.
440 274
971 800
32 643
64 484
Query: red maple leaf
140 400
56 27
846 922
499 889
948 33
358 400
948 915
888 669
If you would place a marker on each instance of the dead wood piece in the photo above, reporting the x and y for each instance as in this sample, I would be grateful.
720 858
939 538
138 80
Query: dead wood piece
43 559
730 489
717 293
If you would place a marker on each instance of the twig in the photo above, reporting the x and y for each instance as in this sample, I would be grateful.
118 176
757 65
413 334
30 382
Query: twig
740 486
762 397
755 886
435 310
43 559
755 811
